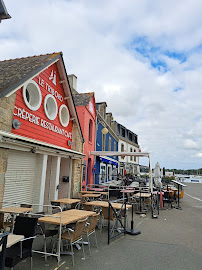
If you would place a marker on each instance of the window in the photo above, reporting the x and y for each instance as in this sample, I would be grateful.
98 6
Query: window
64 115
110 144
122 150
90 130
32 95
103 142
134 156
131 150
115 148
50 107
123 133
130 136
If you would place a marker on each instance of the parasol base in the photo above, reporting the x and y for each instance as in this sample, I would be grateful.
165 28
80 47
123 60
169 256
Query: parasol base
133 231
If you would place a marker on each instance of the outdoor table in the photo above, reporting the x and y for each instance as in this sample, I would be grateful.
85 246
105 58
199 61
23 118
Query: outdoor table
13 239
127 190
179 184
97 189
15 210
87 192
67 201
91 195
62 219
141 195
106 204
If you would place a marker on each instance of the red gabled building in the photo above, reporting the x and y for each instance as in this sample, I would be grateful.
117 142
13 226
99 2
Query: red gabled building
86 110
41 142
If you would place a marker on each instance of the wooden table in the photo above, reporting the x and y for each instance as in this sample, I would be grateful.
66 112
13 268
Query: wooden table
127 190
91 195
15 210
62 219
67 201
97 189
13 239
68 217
142 194
106 204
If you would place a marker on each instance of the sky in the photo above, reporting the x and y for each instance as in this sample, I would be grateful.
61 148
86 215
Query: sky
142 57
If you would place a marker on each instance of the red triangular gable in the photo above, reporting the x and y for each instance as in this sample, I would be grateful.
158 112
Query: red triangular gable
42 109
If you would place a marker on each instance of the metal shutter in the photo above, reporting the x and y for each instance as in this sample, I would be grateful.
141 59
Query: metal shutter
20 177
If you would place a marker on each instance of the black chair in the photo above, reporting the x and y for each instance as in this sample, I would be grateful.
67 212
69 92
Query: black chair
46 233
3 242
22 250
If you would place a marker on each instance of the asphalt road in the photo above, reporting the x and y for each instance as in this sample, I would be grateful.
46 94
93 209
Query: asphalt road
173 241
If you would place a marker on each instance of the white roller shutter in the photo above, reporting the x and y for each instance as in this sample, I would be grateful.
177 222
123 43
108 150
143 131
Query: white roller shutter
20 177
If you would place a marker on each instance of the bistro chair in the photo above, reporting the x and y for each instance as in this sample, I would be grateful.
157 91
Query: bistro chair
75 236
55 210
3 243
88 207
5 223
105 216
90 229
22 250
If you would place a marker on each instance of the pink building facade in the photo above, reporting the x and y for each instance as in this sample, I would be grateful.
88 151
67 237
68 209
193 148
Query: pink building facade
86 110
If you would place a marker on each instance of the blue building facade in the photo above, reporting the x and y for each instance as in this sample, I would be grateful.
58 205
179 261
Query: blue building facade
105 166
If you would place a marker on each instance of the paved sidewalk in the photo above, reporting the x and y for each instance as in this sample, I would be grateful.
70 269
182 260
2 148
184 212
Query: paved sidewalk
171 242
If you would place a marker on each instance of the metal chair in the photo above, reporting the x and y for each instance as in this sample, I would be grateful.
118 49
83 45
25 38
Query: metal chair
5 223
74 236
87 207
22 250
3 243
105 216
90 229
46 233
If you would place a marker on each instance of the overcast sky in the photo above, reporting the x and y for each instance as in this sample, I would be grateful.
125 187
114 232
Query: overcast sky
142 57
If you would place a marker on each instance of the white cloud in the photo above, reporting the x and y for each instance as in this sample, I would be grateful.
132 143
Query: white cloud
190 144
97 40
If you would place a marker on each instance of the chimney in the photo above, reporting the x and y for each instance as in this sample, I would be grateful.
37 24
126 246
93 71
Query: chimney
73 83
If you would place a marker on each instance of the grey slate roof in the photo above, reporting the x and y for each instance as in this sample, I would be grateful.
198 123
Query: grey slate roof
82 99
14 72
3 12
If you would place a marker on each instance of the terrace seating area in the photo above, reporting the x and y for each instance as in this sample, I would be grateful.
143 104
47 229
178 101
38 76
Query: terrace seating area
66 222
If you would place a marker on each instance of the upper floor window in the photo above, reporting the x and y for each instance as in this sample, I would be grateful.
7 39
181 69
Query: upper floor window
123 132
90 132
134 156
130 136
110 144
131 150
122 150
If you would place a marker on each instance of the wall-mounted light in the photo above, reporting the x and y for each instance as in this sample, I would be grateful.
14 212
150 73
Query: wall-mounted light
105 129
69 143
16 124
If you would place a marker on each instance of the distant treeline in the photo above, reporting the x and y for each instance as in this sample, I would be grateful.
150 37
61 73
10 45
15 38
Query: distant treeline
190 171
